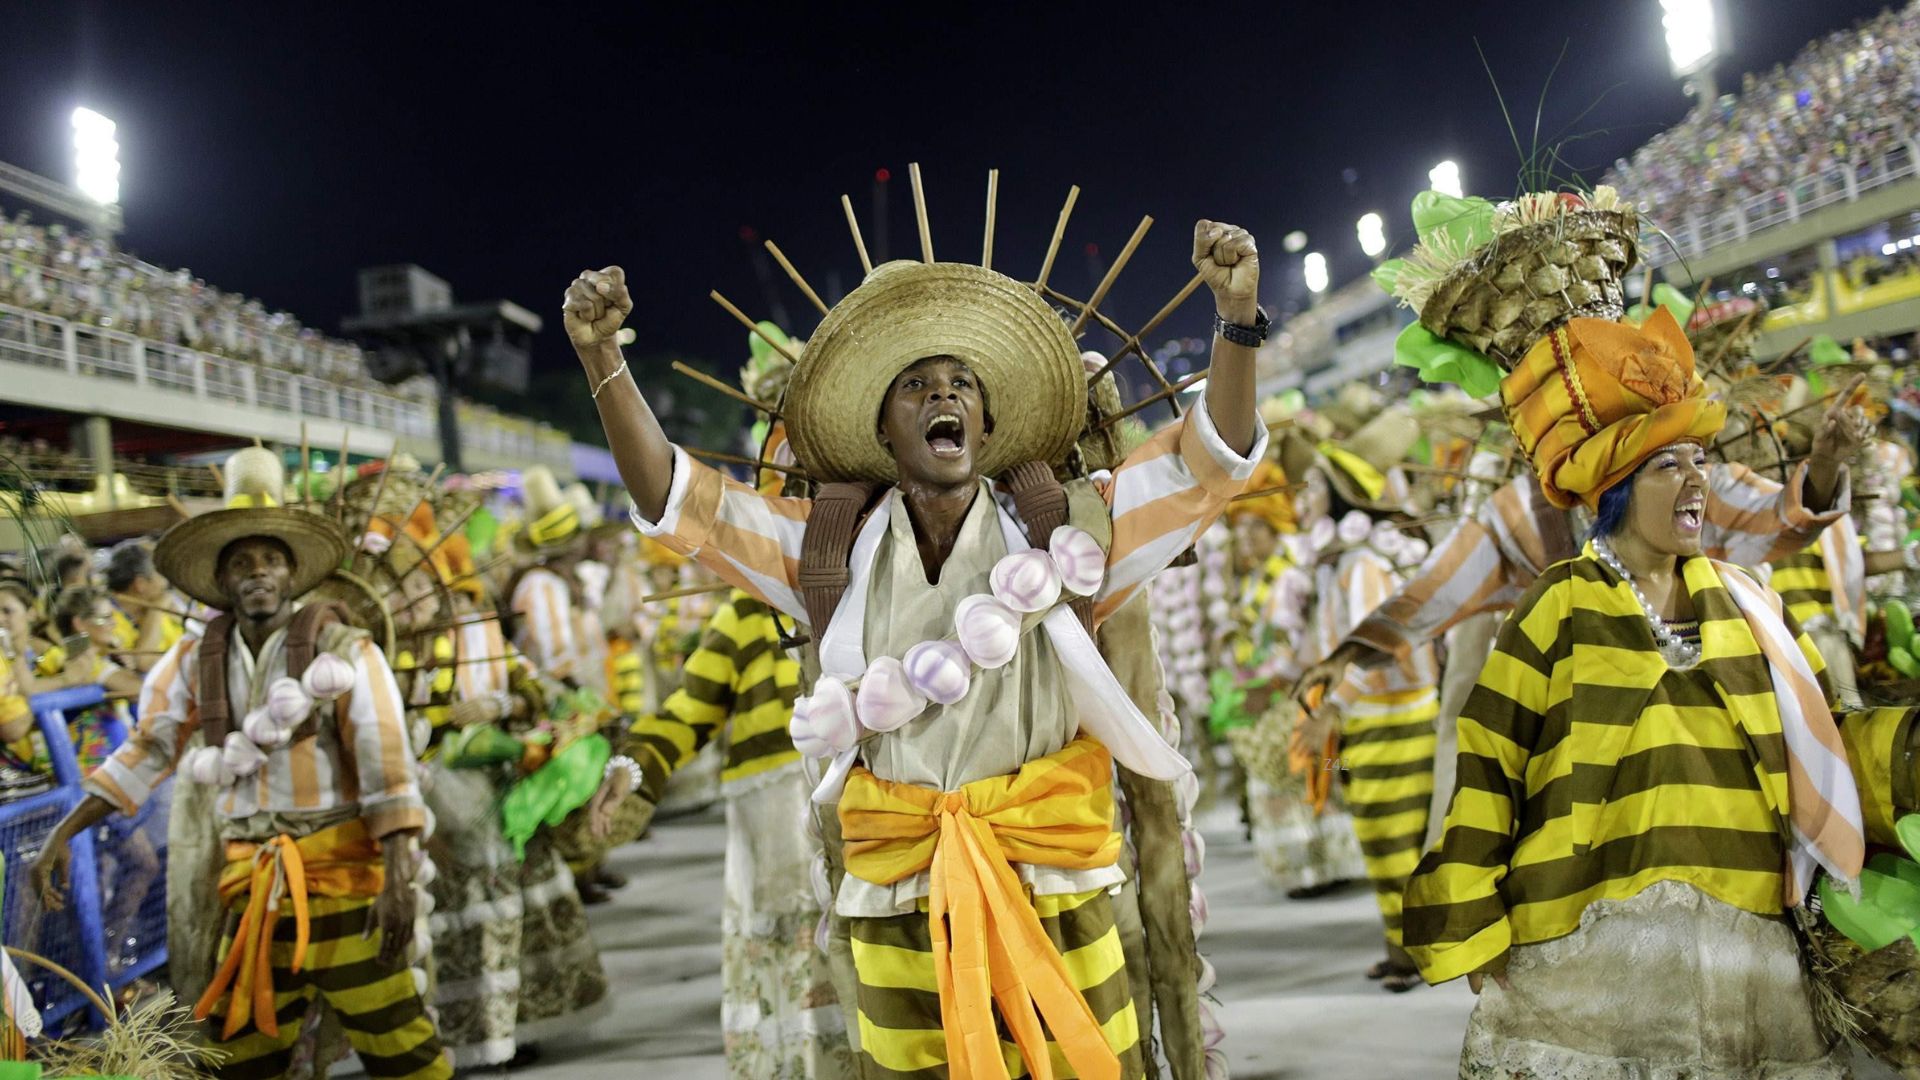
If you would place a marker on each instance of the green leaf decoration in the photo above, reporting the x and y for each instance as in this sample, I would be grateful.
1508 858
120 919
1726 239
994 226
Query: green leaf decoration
1441 361
760 349
1387 274
1453 223
1227 709
482 529
1825 350
1664 296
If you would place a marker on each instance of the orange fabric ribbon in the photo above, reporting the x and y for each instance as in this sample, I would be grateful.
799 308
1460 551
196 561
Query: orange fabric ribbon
988 944
341 862
1312 763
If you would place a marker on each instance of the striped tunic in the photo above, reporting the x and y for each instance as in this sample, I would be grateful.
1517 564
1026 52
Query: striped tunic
546 633
1161 498
738 678
361 760
1588 770
1489 561
1824 584
1387 735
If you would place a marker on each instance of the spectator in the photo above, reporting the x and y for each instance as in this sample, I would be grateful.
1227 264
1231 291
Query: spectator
144 623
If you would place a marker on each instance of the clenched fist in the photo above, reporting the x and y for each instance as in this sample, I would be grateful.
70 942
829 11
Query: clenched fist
1226 257
596 304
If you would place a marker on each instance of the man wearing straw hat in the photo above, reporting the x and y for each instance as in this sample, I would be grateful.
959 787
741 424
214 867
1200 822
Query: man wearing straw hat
307 752
979 835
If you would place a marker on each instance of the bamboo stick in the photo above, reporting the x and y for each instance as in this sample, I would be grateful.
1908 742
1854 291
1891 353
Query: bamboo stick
993 198
733 392
1786 356
1113 272
781 258
151 606
306 461
1059 231
219 480
340 484
859 245
920 213
1150 400
178 506
1134 341
1246 496
736 459
690 590
98 1002
785 348
1727 340
379 490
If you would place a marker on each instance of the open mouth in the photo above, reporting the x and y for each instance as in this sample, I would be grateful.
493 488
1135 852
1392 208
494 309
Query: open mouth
1687 516
946 436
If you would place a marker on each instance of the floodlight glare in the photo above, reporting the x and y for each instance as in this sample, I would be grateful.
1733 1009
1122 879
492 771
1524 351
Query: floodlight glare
1373 234
96 157
1692 43
1445 178
1314 266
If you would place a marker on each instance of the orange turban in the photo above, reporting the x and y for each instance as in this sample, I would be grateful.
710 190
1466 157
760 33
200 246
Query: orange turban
1275 508
1592 401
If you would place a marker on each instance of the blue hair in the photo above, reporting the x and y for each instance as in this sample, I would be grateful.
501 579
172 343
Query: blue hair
1612 512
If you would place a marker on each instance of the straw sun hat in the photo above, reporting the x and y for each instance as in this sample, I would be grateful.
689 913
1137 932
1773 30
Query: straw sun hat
1024 355
189 553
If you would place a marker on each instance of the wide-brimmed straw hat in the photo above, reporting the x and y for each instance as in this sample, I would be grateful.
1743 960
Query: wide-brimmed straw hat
189 553
1019 348
1361 466
553 524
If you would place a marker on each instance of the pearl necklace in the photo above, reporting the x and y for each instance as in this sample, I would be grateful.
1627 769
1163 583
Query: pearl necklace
1679 653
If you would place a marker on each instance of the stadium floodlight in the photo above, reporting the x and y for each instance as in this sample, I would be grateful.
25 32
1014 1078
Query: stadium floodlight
1314 266
1294 242
1693 42
1445 178
1373 234
96 157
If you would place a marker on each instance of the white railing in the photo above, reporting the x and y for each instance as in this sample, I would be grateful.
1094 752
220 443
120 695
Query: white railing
1696 234
41 340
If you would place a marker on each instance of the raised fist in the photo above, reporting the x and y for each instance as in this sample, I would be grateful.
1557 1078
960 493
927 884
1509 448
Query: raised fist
1226 257
596 304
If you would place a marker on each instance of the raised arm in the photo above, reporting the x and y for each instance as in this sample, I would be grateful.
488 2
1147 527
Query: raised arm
1226 257
597 303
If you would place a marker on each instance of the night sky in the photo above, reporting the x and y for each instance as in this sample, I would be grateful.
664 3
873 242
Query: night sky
276 148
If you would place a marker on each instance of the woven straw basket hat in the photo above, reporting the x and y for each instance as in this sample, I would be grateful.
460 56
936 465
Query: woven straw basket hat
189 552
1023 354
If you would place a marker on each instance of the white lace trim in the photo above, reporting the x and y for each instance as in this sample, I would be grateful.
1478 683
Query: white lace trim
1489 1057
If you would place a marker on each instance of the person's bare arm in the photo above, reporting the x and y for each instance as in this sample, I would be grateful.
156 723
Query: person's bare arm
1226 257
1886 562
596 304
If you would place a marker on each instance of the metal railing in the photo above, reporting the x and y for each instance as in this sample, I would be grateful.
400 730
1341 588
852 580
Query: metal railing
1697 234
40 340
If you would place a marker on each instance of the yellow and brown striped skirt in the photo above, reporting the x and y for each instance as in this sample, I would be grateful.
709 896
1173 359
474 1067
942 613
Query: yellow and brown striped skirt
901 1037
1386 747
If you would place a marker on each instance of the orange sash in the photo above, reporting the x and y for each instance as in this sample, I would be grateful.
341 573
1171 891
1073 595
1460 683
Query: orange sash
341 862
988 944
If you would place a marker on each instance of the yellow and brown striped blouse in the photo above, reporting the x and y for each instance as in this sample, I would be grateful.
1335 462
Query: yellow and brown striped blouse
1589 770
740 677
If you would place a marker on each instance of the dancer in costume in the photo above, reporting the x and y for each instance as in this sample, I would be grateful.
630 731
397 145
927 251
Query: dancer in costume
1384 729
925 380
306 742
1650 775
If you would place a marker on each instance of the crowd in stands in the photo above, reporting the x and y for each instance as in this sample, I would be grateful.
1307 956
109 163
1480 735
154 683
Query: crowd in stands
83 277
1843 102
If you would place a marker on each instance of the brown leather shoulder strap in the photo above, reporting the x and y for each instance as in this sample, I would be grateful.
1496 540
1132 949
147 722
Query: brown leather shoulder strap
303 634
827 545
216 712
1040 502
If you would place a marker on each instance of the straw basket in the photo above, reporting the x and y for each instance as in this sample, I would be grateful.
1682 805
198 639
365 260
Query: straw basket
1530 280
1876 994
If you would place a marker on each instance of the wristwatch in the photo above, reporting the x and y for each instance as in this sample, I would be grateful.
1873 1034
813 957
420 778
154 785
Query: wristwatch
1251 337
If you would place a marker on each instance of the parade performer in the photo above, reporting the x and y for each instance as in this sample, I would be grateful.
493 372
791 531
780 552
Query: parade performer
307 746
922 382
1650 775
1385 726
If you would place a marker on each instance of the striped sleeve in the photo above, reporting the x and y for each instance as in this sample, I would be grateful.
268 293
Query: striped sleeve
1465 575
690 718
1753 520
167 719
1365 584
1165 495
1455 919
752 541
376 740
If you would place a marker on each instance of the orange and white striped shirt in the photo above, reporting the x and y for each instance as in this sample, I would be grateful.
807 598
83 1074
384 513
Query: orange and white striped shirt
1349 590
359 758
1161 498
546 632
1492 558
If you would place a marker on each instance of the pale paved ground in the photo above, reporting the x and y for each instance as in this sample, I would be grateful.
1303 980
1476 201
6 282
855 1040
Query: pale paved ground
1293 1000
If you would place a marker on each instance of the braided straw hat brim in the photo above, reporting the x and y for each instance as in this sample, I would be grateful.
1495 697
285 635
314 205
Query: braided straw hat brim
1531 280
1023 354
187 553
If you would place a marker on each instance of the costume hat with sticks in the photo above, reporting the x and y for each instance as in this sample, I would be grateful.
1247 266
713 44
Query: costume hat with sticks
189 553
552 521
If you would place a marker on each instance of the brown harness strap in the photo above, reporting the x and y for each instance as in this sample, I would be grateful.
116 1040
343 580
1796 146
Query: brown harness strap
826 546
303 644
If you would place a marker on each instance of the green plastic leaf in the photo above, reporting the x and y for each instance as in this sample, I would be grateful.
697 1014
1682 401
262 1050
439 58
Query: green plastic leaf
1465 223
1899 622
761 350
1888 909
1387 274
1441 361
1825 350
480 746
1908 829
482 529
1664 296
1227 708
